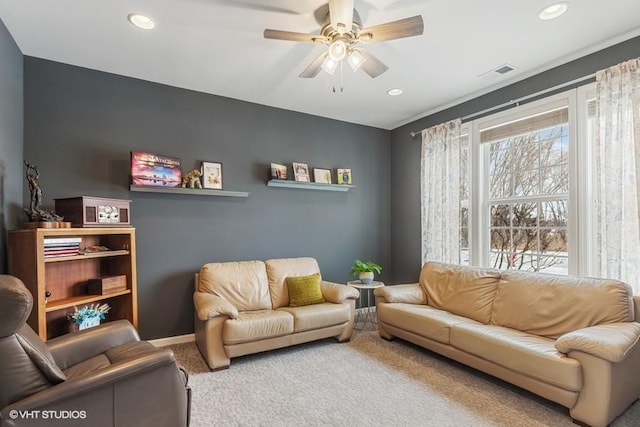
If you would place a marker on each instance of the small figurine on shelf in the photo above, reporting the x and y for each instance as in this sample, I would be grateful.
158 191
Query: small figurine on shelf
89 315
192 179
35 212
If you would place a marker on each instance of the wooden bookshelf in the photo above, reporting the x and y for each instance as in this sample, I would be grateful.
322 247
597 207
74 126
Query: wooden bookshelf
66 277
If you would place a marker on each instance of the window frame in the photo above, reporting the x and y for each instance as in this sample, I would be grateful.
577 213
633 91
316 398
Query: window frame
479 203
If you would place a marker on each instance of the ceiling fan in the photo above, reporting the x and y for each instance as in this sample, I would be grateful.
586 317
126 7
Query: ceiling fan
343 33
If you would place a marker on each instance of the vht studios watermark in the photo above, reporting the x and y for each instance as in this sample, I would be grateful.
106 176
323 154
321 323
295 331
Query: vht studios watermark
36 414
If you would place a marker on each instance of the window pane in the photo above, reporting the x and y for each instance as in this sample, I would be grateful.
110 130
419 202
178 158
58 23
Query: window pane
525 240
528 163
553 240
499 160
526 183
555 180
526 153
554 214
464 174
500 239
500 216
500 186
524 214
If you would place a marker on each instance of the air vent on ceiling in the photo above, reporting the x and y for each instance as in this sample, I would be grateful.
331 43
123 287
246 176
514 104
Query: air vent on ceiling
497 72
504 69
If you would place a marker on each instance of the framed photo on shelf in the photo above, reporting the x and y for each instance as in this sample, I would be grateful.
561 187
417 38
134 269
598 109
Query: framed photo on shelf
301 172
322 176
212 175
344 176
154 170
278 171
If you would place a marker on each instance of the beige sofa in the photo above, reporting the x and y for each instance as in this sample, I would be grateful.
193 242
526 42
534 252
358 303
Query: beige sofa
571 340
243 308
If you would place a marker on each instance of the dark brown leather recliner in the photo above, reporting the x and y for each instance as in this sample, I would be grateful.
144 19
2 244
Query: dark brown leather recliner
102 376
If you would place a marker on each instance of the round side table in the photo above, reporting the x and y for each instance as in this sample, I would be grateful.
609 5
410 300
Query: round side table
366 314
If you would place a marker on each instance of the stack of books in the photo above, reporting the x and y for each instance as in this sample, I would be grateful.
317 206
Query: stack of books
61 246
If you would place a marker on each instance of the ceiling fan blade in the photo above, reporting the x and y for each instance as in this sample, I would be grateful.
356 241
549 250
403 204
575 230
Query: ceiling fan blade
341 14
407 27
372 65
314 68
291 36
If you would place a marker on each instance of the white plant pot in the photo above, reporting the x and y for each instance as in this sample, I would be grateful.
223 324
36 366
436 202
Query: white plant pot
89 323
366 278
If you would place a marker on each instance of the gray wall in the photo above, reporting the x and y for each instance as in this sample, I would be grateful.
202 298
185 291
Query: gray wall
80 126
405 151
10 138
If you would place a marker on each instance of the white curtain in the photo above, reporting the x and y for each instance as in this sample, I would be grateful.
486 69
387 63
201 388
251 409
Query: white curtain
617 174
440 192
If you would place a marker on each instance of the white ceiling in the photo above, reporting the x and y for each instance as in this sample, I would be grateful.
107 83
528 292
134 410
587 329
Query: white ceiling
217 47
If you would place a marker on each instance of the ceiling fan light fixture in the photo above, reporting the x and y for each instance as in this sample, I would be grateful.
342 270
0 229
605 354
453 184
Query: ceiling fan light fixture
141 21
338 50
329 65
355 60
553 11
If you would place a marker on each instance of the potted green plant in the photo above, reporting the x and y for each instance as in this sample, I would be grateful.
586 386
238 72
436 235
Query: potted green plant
365 270
89 315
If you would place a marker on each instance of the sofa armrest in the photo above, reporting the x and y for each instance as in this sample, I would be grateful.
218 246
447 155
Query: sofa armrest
337 293
610 342
69 349
106 377
209 306
409 293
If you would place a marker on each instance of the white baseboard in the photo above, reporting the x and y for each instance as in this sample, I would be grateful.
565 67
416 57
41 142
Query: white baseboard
178 339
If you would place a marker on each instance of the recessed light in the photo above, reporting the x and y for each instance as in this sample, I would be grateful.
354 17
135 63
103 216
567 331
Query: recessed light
553 11
141 21
394 92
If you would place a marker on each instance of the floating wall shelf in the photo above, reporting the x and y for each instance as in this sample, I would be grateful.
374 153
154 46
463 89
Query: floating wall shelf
190 191
283 183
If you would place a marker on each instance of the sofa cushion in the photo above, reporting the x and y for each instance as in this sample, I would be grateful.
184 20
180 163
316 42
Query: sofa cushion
318 316
279 269
304 290
552 305
257 325
466 291
521 352
244 284
422 320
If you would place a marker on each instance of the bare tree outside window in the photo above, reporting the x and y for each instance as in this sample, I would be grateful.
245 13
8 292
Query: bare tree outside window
528 192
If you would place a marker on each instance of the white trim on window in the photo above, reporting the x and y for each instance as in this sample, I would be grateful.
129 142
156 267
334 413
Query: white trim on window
586 223
479 203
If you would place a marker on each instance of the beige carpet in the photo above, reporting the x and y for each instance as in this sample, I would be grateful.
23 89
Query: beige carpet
366 382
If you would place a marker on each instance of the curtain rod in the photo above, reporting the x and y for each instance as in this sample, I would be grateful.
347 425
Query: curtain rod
517 101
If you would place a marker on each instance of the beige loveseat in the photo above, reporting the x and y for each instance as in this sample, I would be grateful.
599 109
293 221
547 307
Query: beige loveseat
243 308
571 340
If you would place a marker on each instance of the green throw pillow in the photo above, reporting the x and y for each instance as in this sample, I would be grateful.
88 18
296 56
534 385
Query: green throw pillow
304 290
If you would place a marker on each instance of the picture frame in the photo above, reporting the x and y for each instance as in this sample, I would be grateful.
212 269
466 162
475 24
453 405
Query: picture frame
301 172
212 175
344 177
148 169
278 171
322 176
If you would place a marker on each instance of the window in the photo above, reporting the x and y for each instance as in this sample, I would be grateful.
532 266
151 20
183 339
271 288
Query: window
524 168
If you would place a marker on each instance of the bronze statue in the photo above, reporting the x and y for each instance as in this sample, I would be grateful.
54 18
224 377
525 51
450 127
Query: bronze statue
35 213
